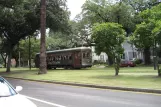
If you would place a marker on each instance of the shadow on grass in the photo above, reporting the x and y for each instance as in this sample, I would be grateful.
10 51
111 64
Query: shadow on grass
17 72
79 69
128 77
69 70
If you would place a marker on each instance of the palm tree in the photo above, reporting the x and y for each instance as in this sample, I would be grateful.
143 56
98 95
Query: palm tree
42 67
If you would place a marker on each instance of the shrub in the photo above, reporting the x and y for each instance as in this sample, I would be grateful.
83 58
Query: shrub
159 72
95 62
138 61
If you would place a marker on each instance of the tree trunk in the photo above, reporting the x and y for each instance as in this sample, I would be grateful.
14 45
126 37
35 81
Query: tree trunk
4 59
42 68
16 62
9 61
116 69
159 71
110 60
147 56
117 66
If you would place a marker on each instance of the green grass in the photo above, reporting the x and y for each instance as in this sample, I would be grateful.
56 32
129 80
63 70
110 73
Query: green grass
137 77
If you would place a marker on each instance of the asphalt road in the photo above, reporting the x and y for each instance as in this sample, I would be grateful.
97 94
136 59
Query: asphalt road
53 95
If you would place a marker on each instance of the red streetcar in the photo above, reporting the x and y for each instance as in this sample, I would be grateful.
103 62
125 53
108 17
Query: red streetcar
76 58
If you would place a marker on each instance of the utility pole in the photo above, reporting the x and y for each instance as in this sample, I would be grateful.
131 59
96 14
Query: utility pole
42 56
29 53
19 59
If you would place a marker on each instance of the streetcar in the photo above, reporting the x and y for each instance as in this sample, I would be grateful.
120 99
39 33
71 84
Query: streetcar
73 58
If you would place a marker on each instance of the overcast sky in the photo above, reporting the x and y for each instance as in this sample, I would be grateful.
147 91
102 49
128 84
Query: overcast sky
75 7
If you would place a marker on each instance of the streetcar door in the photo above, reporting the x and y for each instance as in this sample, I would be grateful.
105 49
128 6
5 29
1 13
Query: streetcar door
77 60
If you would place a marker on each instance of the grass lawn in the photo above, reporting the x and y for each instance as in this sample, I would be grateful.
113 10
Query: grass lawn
137 77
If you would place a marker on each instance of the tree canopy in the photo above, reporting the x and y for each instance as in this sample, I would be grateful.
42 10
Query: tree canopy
109 38
147 32
105 11
20 18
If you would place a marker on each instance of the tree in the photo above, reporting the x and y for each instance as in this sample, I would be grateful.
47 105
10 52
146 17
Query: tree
20 18
42 56
23 48
109 38
145 35
105 11
144 39
58 40
16 23
157 41
140 5
100 11
1 60
80 32
3 49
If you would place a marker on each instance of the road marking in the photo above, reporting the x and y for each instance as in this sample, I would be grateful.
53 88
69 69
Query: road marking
42 101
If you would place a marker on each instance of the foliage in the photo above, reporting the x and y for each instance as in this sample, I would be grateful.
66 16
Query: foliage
20 18
80 32
58 40
1 60
140 5
101 11
138 61
143 35
148 32
99 62
105 11
109 38
24 48
157 32
159 72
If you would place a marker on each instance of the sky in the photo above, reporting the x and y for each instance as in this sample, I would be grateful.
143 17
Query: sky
75 7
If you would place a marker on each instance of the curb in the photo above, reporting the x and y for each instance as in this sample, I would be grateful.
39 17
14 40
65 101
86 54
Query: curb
95 86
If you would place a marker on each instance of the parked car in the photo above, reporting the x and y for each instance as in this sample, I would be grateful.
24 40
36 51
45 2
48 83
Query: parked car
9 97
131 64
125 63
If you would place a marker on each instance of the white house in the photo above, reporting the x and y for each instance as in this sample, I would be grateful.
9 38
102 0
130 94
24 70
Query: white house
130 52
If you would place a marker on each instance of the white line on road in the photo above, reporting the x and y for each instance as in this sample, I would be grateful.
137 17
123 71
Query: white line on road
46 102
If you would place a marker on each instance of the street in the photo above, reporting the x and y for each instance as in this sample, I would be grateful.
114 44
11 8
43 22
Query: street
53 95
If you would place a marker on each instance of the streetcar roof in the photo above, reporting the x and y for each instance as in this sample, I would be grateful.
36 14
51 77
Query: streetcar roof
70 49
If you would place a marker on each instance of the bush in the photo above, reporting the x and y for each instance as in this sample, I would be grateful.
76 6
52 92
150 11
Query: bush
159 72
95 62
138 61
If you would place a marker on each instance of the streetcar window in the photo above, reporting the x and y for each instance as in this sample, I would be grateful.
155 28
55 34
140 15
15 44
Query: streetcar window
70 57
62 58
58 57
84 55
67 57
87 55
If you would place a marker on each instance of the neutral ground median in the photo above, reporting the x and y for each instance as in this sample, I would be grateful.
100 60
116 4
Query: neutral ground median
137 77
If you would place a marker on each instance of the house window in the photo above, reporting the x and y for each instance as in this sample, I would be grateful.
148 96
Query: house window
123 56
102 57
